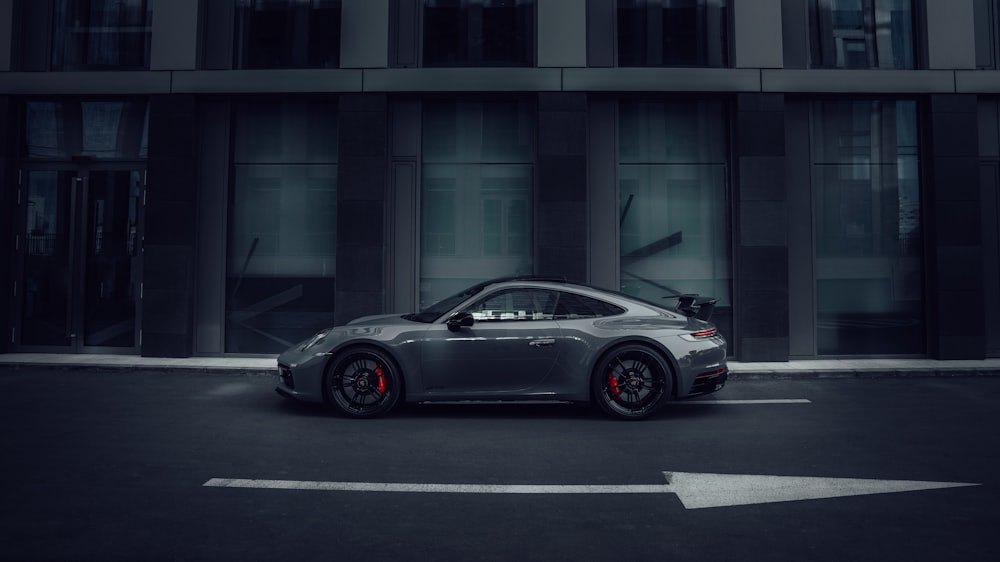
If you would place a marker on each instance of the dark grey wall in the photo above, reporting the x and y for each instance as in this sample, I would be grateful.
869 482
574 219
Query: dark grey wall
761 223
561 219
169 249
8 217
361 205
955 256
989 187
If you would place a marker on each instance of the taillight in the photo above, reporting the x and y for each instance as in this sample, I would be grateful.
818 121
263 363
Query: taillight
701 334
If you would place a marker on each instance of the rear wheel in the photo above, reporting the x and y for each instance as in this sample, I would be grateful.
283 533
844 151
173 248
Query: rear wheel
631 382
363 383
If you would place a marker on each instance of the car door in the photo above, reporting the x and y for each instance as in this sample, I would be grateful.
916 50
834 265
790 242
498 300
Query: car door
510 347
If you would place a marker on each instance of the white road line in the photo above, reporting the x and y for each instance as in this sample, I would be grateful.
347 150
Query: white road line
727 402
436 488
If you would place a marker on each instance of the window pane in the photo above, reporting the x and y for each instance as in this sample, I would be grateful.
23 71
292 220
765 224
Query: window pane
674 212
288 34
673 33
515 305
476 195
98 129
479 32
862 33
282 224
869 265
101 34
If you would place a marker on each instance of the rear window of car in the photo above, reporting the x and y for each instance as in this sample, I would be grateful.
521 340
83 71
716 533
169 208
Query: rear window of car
572 305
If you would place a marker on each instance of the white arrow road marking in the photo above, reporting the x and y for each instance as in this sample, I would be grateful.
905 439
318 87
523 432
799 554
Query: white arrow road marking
695 490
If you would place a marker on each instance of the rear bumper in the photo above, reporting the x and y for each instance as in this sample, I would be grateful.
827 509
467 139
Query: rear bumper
708 382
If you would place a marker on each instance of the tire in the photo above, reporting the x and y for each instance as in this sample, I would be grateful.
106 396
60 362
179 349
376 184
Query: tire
631 382
363 383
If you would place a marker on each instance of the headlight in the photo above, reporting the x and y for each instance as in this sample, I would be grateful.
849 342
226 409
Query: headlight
320 336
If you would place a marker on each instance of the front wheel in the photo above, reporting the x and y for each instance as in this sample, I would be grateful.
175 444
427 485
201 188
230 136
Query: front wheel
631 382
363 383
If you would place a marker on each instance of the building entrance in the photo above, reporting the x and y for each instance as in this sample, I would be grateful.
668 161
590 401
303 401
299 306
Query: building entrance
78 260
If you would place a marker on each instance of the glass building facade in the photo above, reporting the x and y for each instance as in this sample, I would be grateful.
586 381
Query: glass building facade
188 178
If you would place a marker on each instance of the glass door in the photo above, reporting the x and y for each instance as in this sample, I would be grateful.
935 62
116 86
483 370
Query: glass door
80 276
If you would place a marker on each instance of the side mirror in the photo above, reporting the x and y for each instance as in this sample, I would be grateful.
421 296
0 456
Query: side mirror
460 320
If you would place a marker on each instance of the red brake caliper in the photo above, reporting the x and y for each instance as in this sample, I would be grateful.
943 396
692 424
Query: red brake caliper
381 378
613 384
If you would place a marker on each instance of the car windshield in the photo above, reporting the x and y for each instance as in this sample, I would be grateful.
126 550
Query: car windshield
434 311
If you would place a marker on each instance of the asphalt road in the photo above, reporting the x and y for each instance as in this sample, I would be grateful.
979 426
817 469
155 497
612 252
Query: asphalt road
113 466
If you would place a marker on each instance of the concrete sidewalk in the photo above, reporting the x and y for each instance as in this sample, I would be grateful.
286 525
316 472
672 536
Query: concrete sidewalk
266 365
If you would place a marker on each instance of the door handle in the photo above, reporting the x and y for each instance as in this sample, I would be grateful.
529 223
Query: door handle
545 342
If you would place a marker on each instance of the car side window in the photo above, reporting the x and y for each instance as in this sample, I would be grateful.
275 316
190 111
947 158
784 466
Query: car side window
513 305
572 305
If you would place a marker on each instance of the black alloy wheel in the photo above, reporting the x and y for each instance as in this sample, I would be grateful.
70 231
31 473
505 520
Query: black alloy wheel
632 382
363 383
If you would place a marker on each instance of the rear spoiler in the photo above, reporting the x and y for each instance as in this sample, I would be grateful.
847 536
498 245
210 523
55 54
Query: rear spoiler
695 306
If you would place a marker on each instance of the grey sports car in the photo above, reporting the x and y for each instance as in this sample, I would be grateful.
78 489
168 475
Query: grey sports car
518 338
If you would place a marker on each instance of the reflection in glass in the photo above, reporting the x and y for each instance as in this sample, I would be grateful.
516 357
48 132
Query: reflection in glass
101 34
112 272
479 33
287 34
869 241
861 33
674 212
673 33
46 315
282 225
59 130
476 195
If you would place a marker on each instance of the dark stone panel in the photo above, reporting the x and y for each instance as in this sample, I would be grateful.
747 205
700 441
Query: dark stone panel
562 178
954 103
168 268
217 35
959 269
763 349
376 104
172 180
794 33
763 223
355 304
171 310
405 33
757 102
760 133
953 220
156 344
553 101
170 223
601 33
763 268
960 347
562 224
765 314
955 134
956 179
172 127
962 312
361 178
359 269
762 178
989 130
569 262
562 132
360 222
